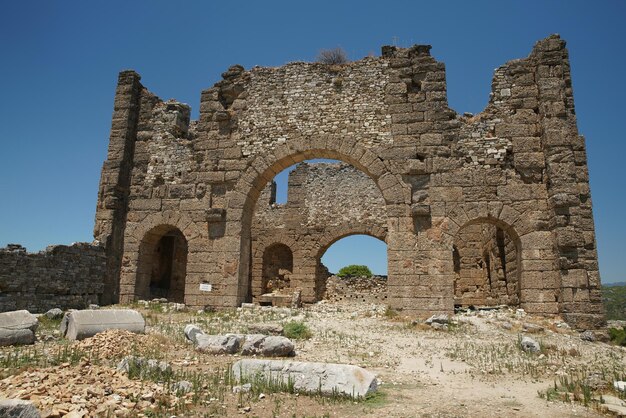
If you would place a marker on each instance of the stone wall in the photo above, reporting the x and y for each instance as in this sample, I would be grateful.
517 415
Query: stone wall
519 165
59 277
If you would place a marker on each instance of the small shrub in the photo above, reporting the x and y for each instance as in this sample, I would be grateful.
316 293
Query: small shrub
618 336
297 330
333 56
355 270
390 313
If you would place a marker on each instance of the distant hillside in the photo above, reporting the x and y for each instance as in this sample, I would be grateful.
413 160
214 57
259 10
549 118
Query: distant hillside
614 297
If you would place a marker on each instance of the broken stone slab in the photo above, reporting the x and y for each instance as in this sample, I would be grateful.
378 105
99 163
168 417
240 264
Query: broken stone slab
18 408
588 336
614 405
267 346
145 367
17 327
530 345
218 344
323 378
266 329
78 325
54 313
439 319
192 331
620 385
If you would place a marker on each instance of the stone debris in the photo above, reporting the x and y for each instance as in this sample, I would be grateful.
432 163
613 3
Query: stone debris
115 343
17 408
77 325
588 336
17 327
191 332
182 387
84 390
144 367
218 344
324 378
267 346
614 405
54 313
530 345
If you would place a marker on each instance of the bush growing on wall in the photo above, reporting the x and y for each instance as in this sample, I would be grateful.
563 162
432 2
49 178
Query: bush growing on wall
354 270
332 56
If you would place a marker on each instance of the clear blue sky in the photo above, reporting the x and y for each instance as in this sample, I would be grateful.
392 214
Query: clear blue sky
59 64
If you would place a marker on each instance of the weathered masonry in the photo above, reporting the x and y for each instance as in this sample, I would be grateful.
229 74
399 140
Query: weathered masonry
485 209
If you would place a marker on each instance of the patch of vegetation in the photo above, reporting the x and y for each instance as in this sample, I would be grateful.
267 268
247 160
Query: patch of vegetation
618 336
297 330
355 270
614 298
333 56
390 313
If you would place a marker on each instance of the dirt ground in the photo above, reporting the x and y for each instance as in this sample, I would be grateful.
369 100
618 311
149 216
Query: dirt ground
474 368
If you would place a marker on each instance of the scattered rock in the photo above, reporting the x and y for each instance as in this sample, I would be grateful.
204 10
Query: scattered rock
243 388
506 325
78 325
614 405
54 313
616 324
145 367
588 336
93 306
182 387
267 346
17 327
266 329
17 408
530 345
324 378
532 328
218 344
192 331
520 313
438 319
620 385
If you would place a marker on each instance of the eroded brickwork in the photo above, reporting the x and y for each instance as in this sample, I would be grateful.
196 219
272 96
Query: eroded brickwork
519 165
60 277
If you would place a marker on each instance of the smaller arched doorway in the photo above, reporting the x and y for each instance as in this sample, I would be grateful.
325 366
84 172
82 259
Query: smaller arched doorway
162 266
358 246
277 269
487 265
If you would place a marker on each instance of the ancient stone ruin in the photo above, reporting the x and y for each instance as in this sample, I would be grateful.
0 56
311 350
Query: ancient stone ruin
484 209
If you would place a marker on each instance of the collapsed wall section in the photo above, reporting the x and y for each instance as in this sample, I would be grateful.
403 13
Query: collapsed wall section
60 277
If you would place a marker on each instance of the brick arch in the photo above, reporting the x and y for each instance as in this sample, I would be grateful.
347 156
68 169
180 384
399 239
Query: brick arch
515 298
334 235
139 238
264 167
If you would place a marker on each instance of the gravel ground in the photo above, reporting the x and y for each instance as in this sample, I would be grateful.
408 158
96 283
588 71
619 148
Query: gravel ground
471 367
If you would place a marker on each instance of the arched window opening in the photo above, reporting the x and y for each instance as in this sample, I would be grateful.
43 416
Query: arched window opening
486 266
359 250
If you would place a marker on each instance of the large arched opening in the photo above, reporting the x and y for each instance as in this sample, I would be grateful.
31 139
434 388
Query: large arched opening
252 184
162 264
487 264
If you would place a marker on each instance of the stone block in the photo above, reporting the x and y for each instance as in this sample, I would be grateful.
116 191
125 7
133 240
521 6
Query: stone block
326 378
17 327
78 325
